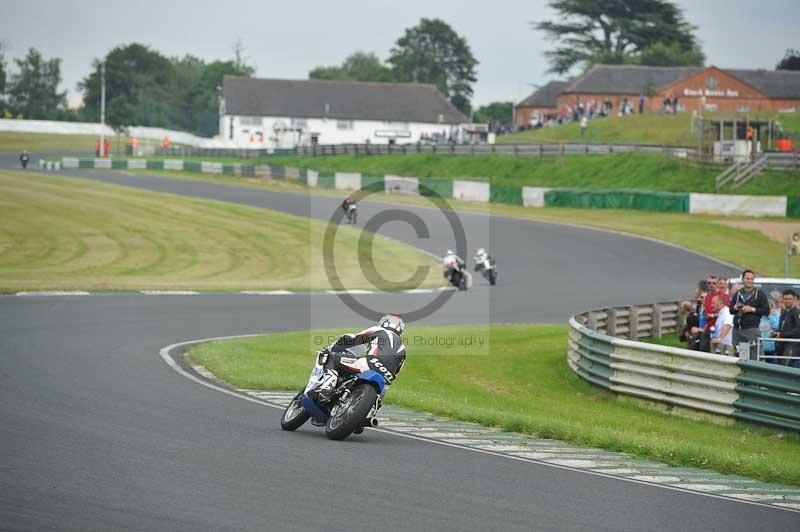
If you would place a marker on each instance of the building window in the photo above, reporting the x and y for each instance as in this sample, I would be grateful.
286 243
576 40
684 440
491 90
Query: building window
344 124
299 123
742 108
251 121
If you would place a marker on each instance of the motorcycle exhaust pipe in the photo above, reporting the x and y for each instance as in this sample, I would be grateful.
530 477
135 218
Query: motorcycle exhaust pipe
373 422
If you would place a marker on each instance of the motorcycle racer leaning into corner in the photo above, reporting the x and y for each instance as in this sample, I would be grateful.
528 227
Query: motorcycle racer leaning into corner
480 257
347 202
385 354
450 263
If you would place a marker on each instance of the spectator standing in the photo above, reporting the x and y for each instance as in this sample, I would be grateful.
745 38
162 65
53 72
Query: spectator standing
715 288
691 326
641 104
770 325
674 104
584 124
789 327
722 338
747 307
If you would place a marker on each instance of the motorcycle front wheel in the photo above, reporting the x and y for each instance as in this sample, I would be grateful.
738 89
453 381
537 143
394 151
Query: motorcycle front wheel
295 415
351 413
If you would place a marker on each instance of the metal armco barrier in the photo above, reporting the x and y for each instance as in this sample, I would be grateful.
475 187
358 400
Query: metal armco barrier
602 349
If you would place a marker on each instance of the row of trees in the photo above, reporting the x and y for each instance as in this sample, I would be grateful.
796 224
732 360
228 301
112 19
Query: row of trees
430 52
31 90
143 87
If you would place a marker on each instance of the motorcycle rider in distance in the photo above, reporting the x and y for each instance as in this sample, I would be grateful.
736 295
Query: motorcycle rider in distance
486 268
24 158
452 264
480 257
385 354
347 202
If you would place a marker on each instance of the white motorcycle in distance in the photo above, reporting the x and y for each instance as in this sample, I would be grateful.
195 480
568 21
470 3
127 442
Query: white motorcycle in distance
352 213
486 265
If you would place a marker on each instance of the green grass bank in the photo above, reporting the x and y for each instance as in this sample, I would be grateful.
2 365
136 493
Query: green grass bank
519 380
649 128
61 233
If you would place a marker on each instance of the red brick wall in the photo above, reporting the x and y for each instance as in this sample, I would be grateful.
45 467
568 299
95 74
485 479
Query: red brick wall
522 115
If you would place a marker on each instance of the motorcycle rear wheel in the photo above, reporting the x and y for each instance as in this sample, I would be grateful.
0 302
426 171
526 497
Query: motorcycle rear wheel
350 415
295 415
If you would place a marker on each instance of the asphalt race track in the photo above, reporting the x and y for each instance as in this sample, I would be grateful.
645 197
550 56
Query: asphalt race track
99 434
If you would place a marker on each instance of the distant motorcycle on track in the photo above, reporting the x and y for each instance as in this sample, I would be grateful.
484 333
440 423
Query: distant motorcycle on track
488 268
352 213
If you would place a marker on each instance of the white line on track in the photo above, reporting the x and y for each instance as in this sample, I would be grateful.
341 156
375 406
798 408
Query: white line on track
165 354
266 292
169 292
54 293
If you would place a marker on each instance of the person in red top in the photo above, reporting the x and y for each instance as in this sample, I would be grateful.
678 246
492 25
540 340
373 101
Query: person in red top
719 288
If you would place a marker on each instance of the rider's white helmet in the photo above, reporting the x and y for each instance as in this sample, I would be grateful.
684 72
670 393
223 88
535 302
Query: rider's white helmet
481 251
393 322
449 252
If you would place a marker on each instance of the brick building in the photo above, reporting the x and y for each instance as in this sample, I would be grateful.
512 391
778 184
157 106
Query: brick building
541 102
729 90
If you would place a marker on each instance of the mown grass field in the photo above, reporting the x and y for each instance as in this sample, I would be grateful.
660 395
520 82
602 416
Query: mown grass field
705 234
16 142
519 381
618 171
61 233
650 128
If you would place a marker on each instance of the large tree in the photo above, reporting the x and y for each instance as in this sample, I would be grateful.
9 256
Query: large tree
618 31
33 89
432 52
790 61
139 83
494 112
360 66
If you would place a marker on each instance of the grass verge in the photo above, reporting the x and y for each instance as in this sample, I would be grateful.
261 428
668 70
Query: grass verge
68 233
14 141
619 171
649 128
525 386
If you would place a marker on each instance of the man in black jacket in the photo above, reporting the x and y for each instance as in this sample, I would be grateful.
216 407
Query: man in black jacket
748 306
789 328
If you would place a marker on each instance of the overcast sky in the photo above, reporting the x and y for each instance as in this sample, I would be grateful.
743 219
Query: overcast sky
286 39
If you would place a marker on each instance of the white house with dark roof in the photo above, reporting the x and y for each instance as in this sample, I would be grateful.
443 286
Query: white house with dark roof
281 113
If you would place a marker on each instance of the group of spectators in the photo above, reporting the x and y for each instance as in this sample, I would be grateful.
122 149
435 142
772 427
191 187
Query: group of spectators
723 317
584 111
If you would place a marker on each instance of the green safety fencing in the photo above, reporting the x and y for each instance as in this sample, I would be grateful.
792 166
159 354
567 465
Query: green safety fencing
618 199
192 166
326 180
373 183
499 193
428 186
119 163
793 206
769 394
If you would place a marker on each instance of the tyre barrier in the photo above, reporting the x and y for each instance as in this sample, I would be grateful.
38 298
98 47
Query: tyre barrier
49 165
478 190
603 349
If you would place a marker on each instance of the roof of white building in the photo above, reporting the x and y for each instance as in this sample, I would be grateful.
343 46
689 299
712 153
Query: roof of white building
346 100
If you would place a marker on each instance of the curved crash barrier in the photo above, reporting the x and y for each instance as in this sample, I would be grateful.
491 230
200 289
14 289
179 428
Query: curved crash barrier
603 350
